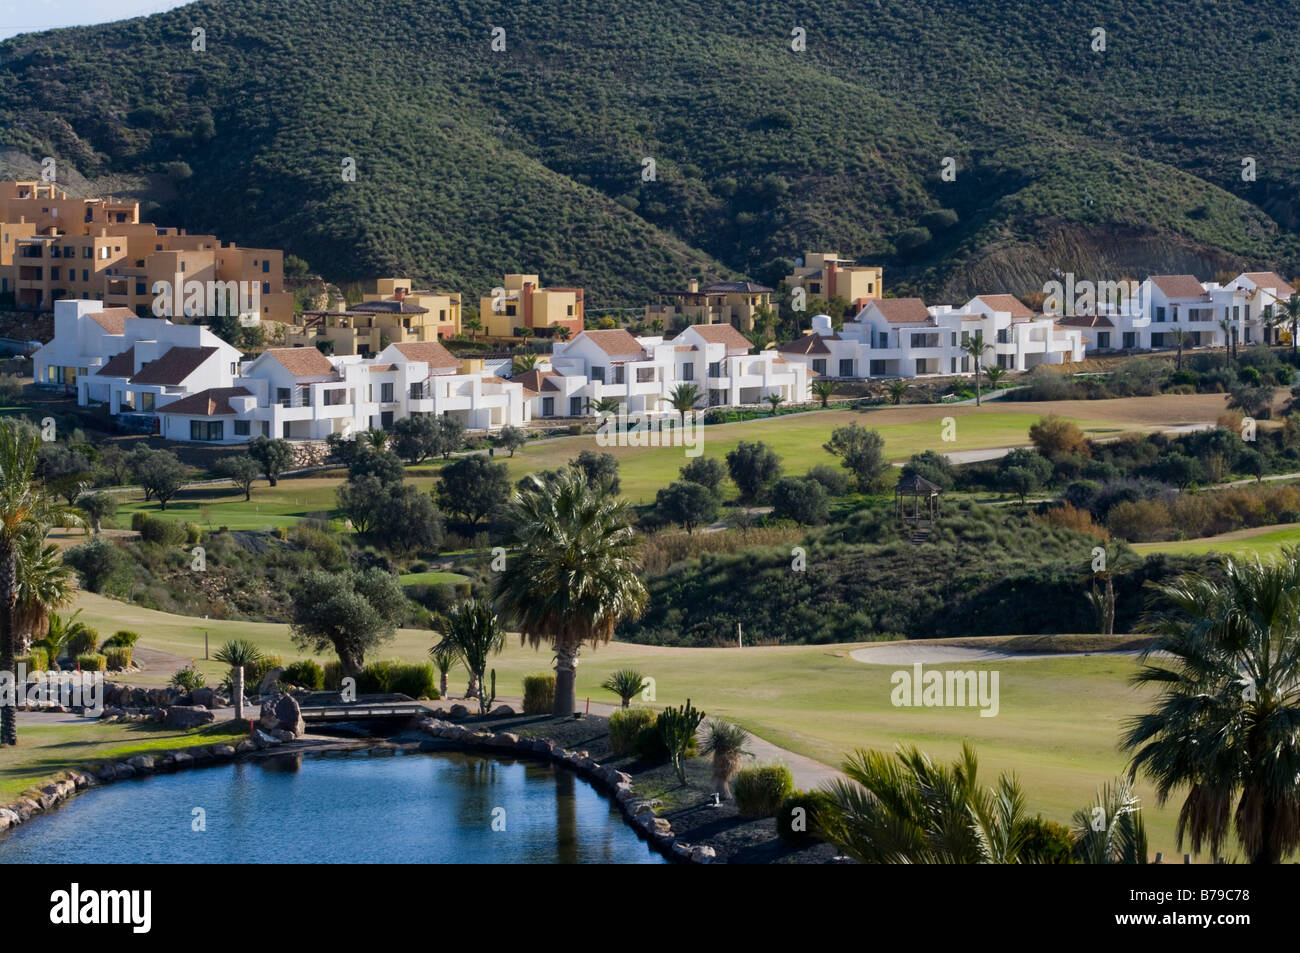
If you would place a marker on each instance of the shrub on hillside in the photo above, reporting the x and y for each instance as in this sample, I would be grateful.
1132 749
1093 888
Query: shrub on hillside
539 694
759 791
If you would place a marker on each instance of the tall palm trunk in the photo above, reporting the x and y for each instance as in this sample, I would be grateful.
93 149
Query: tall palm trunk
8 659
977 382
566 679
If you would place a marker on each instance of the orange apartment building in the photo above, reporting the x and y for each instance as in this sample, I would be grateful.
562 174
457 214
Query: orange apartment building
392 314
54 247
826 275
524 303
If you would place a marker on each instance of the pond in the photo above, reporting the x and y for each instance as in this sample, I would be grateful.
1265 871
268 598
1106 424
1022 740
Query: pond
408 807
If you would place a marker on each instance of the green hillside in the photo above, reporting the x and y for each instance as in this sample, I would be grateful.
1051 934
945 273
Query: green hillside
473 162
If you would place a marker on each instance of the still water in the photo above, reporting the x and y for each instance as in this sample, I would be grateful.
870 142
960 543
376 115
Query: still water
405 808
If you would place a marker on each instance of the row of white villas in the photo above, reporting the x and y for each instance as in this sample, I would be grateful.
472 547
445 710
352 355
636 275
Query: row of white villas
902 337
1206 312
641 373
195 386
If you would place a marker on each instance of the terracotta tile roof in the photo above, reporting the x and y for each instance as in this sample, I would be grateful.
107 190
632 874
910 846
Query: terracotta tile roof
536 381
213 402
119 365
1009 303
1270 279
722 334
172 368
430 352
1086 321
301 361
902 310
808 344
112 320
613 341
1179 286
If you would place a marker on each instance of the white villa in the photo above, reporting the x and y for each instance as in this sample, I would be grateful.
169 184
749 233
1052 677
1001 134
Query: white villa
195 387
902 337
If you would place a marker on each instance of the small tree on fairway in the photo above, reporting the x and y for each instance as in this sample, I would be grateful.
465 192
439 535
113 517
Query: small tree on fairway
349 612
511 438
161 475
273 456
241 470
598 469
98 507
417 437
862 453
473 487
705 471
690 504
752 467
451 436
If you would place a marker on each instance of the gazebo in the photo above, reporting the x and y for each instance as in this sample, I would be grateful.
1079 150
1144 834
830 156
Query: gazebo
923 497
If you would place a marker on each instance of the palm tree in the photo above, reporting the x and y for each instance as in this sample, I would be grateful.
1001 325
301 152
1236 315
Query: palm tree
1226 657
975 348
994 374
606 405
473 634
443 659
575 574
1117 561
684 397
775 400
626 683
1110 831
378 438
475 325
657 325
1229 340
905 809
1290 314
823 390
62 630
1180 336
727 743
563 333
897 391
523 363
44 584
25 510
241 654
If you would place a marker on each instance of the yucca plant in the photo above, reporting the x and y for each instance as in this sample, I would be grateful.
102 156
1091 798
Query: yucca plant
241 654
626 683
727 744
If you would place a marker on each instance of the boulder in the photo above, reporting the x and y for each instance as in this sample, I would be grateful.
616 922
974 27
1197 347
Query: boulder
282 734
282 713
183 716
205 698
504 739
223 751
263 740
503 711
703 855
458 711
244 746
141 762
270 679
182 759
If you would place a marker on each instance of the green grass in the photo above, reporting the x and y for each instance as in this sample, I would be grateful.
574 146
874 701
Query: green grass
1262 540
45 750
1057 729
431 579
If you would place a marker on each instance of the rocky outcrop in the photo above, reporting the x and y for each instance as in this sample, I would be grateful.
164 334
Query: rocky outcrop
181 716
282 713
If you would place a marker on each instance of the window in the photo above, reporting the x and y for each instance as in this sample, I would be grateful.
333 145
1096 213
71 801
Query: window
207 429
814 288
715 368
304 395
417 391
954 339
645 375
965 364
846 367
282 396
819 365
241 428
1130 339
85 275
1160 315
87 252
147 399
139 287
335 396
570 310
54 274
619 373
548 406
386 393
266 287
575 406
1103 339
688 372
510 310
266 267
598 374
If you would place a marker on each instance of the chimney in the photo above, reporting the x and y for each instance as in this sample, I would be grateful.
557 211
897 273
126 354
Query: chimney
693 285
399 294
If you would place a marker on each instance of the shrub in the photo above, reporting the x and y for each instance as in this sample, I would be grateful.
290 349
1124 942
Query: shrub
99 563
760 791
1047 843
187 679
92 662
802 500
1053 435
1139 520
333 676
117 657
797 817
254 673
193 534
376 678
83 642
123 638
156 529
834 481
539 695
37 660
304 673
414 679
626 727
